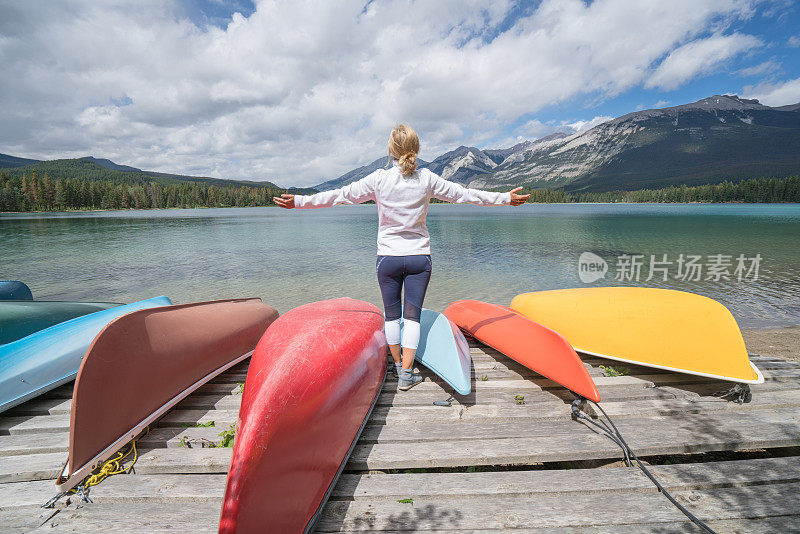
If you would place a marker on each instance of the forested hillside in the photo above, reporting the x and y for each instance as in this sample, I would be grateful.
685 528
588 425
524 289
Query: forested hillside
34 192
70 184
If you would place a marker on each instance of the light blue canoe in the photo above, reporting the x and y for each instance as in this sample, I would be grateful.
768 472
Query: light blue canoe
48 358
444 350
14 290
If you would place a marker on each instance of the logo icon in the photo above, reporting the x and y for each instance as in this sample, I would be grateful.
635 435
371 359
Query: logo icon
591 267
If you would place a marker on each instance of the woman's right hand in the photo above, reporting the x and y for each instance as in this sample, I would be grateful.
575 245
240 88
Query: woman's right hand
517 200
285 201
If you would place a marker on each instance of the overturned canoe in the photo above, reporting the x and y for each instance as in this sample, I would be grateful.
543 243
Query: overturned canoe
14 290
51 357
312 383
143 363
20 318
534 346
443 349
661 328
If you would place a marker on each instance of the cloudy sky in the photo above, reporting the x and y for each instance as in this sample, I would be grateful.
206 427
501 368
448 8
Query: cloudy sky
300 92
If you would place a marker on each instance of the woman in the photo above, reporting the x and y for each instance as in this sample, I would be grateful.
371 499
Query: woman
402 194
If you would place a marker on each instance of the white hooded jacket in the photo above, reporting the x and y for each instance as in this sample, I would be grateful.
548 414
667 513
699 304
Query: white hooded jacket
402 205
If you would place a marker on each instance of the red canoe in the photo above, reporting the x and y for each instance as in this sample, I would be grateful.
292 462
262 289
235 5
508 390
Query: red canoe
143 363
312 383
531 344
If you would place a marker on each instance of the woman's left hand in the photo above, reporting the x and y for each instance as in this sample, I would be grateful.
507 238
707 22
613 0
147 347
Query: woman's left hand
517 200
285 201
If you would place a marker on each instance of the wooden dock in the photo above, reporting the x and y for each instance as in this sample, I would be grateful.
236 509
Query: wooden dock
491 462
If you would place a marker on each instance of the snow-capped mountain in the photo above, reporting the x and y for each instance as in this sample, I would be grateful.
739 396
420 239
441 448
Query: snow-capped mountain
714 139
711 140
462 164
459 165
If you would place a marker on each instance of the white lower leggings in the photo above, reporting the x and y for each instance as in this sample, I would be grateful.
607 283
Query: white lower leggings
410 333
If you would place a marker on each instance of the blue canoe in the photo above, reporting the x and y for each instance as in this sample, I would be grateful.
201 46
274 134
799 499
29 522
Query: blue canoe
444 350
21 318
48 358
14 290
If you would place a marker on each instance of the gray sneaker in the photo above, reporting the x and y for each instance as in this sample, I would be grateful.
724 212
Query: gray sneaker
408 380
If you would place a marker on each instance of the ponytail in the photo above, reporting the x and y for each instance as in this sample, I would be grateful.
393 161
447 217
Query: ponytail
404 146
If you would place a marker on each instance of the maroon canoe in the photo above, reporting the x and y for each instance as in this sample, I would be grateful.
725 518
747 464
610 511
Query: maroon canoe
143 363
312 383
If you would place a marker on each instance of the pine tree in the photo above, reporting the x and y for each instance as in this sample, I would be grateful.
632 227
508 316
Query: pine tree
60 196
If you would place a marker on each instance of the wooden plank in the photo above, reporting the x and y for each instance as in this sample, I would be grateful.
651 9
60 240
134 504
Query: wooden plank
19 444
41 406
761 525
688 433
122 489
132 517
698 476
553 510
225 398
484 392
559 410
179 488
23 468
561 430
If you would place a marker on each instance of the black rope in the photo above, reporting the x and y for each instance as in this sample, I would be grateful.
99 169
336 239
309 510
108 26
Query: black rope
617 438
739 393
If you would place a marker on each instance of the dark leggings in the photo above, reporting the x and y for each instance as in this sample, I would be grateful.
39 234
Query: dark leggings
396 271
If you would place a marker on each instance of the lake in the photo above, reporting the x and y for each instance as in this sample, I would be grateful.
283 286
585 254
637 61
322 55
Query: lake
293 257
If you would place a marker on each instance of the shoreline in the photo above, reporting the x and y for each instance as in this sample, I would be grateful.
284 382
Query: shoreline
781 342
733 202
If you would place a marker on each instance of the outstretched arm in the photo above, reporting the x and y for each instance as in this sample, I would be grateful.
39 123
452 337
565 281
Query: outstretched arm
457 193
361 191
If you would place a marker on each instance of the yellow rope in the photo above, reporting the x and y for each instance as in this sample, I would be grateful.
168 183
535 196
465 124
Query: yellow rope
112 466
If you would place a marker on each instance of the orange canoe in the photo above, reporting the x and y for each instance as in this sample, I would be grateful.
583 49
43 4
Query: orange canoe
536 347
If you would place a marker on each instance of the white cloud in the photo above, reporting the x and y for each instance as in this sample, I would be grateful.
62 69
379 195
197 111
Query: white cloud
794 41
767 67
775 94
699 57
300 92
661 104
580 126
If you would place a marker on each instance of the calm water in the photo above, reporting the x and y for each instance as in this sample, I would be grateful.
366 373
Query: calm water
292 257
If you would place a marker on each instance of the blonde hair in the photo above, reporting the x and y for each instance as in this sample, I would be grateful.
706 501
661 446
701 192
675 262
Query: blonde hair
404 146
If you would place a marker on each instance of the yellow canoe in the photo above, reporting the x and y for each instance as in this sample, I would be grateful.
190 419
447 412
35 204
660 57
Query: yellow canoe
661 328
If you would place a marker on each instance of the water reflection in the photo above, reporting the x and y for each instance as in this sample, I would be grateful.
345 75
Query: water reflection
290 258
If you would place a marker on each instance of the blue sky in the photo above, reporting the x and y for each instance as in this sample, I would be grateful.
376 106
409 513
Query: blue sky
300 92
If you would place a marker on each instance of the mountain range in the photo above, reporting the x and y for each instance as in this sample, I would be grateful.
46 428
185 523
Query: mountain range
719 138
